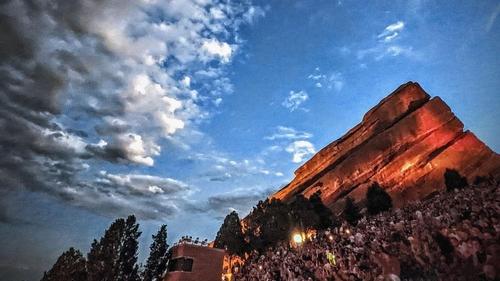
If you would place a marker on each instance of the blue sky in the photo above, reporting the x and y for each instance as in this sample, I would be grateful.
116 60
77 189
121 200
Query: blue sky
202 107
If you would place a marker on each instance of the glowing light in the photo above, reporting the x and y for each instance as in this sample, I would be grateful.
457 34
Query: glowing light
260 267
297 238
347 231
406 166
330 237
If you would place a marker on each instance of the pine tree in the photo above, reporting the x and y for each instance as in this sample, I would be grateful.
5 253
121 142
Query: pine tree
377 199
70 266
351 212
156 263
325 215
103 256
230 235
269 223
128 270
303 213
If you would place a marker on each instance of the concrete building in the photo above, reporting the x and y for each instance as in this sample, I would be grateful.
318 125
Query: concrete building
195 263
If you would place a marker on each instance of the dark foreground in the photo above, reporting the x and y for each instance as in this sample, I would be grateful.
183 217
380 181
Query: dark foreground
452 236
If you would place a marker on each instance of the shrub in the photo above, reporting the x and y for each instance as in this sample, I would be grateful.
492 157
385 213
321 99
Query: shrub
377 199
453 180
351 212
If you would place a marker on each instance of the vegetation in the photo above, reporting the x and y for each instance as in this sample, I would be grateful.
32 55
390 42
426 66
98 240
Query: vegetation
351 211
272 221
377 199
69 266
159 256
268 223
113 257
230 236
453 180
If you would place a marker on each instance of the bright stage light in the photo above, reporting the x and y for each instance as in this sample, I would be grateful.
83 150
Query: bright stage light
297 238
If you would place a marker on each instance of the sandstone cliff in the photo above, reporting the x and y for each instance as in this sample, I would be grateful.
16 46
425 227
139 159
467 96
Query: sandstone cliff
405 143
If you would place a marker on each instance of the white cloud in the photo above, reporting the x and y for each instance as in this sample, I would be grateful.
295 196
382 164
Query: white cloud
391 31
216 49
295 99
399 25
300 150
492 18
334 80
288 133
386 47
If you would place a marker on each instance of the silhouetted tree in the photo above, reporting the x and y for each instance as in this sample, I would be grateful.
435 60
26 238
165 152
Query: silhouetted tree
102 260
269 223
230 235
377 199
351 212
453 180
156 263
70 266
128 270
325 215
303 214
114 256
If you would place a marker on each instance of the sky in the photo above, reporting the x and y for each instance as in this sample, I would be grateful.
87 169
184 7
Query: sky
180 111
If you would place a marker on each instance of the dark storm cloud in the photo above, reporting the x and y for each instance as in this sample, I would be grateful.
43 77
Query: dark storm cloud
84 83
43 76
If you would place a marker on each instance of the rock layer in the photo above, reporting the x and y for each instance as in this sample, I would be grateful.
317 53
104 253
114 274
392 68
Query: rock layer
405 143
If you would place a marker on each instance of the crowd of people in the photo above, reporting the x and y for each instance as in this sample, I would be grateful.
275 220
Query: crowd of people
452 236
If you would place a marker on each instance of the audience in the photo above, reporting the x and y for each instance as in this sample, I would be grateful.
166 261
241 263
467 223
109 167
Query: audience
452 236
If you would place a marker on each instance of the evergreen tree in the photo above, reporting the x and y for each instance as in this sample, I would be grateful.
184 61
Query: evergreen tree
269 223
230 235
128 270
103 256
70 266
325 215
114 256
377 199
351 212
303 213
156 263
453 180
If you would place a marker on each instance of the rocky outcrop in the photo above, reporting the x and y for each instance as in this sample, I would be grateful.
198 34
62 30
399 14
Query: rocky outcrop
405 143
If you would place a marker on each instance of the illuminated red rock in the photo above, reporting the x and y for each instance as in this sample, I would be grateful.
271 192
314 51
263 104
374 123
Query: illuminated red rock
405 143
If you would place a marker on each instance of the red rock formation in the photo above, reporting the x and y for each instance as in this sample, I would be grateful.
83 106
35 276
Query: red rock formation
405 143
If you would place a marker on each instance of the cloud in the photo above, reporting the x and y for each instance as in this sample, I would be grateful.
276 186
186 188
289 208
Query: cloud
87 83
240 199
391 31
300 150
214 48
386 47
334 80
220 168
147 196
492 18
288 133
294 100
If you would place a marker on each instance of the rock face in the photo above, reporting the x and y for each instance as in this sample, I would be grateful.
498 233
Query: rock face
405 143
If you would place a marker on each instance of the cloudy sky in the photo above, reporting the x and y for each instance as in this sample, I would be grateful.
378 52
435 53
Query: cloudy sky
180 111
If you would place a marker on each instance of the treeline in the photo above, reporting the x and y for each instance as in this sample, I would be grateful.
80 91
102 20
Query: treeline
273 221
114 257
